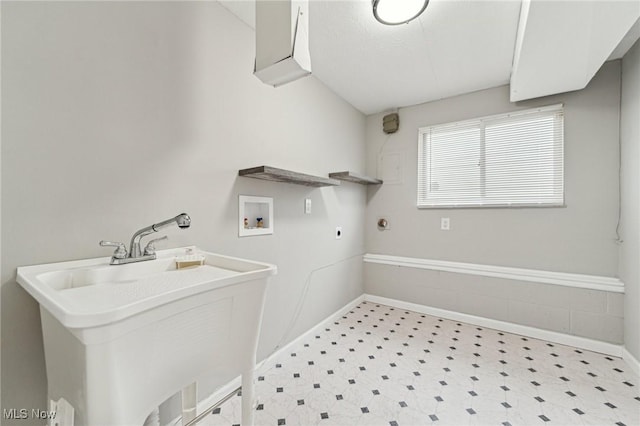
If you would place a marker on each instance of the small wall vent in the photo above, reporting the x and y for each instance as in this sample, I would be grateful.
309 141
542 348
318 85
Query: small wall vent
391 123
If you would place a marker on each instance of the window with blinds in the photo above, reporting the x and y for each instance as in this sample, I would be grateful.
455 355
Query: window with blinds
514 159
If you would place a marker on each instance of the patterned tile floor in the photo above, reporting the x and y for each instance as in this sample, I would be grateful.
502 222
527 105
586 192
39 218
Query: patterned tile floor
379 365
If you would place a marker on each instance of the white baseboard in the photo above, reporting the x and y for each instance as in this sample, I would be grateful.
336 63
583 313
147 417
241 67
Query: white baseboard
224 390
631 361
329 319
536 333
591 282
211 400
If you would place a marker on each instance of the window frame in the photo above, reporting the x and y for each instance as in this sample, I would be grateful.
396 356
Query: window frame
423 183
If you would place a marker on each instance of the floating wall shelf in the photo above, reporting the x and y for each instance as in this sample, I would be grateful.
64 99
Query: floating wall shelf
280 175
356 178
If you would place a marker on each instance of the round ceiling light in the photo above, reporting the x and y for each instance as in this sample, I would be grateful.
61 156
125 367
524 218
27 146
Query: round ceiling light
396 12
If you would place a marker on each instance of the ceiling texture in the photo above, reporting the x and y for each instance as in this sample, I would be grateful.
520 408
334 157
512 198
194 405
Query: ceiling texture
539 47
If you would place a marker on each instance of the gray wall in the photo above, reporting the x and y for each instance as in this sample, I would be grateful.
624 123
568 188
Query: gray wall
580 238
118 114
630 226
580 312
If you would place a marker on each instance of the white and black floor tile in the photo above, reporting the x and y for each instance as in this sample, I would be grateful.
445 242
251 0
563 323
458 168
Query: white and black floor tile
379 365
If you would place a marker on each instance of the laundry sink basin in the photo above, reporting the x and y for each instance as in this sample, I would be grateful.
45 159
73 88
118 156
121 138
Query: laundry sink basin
89 293
120 339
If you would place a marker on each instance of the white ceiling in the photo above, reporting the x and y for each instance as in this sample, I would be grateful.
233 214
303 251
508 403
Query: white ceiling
461 46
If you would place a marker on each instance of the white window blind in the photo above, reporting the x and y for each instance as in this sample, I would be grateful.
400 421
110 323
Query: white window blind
514 159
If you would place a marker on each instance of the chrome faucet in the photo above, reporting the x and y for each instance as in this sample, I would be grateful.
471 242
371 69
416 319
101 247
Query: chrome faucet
135 254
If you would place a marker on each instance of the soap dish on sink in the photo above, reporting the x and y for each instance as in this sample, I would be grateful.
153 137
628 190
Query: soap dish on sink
189 261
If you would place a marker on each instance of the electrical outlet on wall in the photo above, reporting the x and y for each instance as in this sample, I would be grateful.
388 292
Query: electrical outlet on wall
307 206
445 223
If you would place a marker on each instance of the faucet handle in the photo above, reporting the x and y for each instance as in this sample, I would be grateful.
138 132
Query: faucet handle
151 246
121 249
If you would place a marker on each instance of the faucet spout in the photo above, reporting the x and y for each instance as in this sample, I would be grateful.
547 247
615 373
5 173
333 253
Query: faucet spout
182 220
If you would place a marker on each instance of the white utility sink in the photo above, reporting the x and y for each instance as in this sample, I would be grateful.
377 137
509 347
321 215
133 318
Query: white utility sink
120 339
